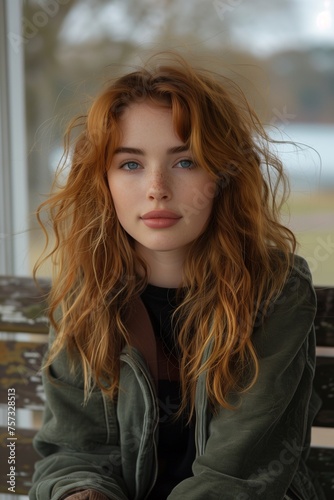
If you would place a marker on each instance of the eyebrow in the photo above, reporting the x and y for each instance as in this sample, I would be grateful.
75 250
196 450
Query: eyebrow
137 151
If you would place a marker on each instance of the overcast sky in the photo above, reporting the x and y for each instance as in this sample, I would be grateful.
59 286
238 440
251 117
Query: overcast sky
306 23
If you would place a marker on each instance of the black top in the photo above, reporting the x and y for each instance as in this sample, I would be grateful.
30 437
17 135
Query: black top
176 446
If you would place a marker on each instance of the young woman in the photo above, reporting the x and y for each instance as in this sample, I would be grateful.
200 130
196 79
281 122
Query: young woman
182 347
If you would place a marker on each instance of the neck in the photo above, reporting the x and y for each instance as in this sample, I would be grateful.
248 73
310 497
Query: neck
164 268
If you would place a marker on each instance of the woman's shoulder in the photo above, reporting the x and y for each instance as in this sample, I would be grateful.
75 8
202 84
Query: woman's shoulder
298 289
299 267
299 284
298 279
286 323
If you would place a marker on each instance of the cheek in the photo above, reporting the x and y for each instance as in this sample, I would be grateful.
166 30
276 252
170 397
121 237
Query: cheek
202 196
116 195
211 190
115 187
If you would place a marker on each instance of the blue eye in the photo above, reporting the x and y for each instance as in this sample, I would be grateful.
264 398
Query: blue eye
186 164
130 165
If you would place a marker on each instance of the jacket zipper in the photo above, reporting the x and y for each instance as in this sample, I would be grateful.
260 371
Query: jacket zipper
201 416
153 395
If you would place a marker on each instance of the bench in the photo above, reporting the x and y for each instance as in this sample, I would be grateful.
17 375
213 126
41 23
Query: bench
23 338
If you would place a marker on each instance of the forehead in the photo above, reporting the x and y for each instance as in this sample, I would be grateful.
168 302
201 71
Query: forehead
146 120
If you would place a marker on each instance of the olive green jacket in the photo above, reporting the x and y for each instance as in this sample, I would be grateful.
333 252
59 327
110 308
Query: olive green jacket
255 452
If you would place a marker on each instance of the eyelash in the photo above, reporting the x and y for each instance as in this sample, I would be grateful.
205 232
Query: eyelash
190 167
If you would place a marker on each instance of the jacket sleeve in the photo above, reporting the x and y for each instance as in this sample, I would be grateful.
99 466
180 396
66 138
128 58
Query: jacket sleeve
78 442
254 451
85 495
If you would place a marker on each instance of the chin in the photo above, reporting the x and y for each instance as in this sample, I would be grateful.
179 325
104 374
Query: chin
162 246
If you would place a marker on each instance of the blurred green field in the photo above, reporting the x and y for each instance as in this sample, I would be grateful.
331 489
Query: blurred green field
312 219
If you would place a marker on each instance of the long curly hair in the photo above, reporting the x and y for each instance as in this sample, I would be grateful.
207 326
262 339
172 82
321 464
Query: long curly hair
232 271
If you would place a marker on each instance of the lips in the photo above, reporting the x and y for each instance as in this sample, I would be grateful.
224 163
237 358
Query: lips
160 219
161 214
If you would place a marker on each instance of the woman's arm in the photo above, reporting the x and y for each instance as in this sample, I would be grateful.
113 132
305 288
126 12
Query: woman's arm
78 443
254 452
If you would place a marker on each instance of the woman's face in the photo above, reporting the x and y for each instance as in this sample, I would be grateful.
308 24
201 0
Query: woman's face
162 198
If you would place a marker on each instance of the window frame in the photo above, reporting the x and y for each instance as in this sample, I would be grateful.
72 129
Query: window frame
14 236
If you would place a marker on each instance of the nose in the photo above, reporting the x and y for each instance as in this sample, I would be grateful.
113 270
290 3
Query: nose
159 187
